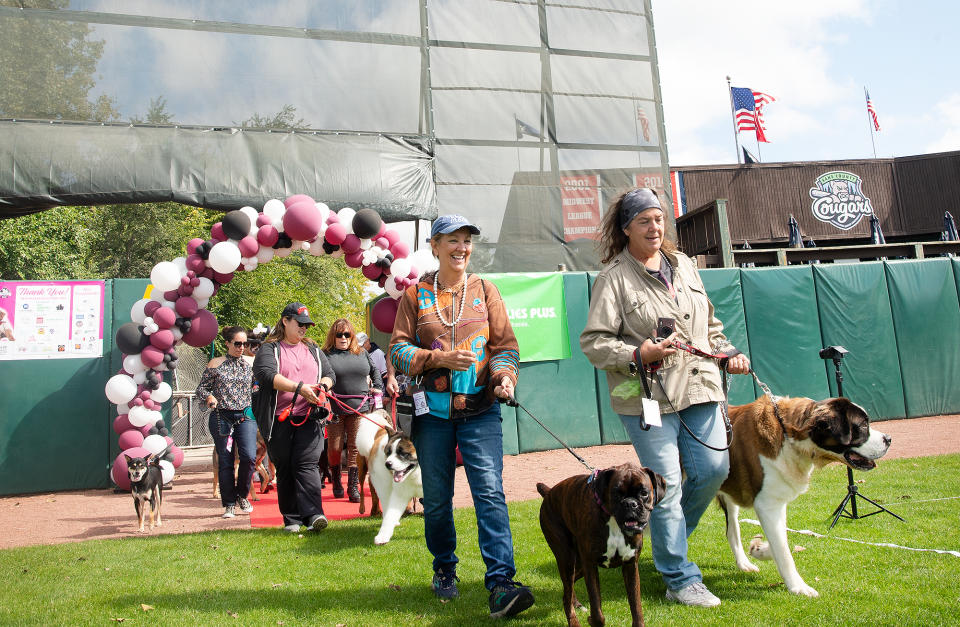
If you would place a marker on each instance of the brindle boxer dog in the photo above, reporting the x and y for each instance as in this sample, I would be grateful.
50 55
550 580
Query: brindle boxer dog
598 520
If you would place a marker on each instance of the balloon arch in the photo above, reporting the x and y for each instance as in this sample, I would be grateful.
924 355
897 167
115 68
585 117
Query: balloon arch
181 289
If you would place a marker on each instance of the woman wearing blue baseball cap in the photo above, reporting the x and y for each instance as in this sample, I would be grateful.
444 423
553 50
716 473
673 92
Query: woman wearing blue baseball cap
452 333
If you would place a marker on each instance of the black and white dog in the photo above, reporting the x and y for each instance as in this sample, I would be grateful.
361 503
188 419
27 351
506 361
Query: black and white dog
146 486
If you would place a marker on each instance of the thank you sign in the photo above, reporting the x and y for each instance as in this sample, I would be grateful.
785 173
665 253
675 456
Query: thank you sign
838 199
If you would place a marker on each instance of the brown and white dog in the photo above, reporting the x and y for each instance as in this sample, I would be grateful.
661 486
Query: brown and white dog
391 460
771 462
598 520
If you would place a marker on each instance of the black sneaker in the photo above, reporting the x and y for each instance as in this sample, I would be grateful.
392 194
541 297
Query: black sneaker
509 598
445 585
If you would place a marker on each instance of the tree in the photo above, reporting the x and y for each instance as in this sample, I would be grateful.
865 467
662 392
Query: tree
50 245
47 68
156 113
285 118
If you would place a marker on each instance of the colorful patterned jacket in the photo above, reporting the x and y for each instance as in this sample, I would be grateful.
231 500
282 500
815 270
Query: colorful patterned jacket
419 335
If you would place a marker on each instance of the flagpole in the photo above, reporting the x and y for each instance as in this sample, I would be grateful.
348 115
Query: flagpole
866 97
759 154
733 117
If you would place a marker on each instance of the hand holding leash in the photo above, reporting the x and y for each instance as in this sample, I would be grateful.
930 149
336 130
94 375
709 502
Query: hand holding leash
505 390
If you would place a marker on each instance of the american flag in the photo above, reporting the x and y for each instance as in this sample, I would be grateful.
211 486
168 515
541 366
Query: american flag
644 123
748 110
872 112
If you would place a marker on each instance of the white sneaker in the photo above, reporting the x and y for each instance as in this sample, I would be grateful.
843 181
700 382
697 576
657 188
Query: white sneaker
228 512
245 505
695 594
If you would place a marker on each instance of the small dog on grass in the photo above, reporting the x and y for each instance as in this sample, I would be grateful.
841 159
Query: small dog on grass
146 486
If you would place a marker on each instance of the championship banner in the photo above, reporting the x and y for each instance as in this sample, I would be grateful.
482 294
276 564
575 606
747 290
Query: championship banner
580 203
51 319
537 311
653 178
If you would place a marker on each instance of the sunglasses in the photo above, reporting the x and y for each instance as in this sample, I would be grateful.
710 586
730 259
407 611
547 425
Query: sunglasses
345 334
239 344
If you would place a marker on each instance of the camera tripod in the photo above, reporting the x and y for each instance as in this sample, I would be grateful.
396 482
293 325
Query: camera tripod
836 353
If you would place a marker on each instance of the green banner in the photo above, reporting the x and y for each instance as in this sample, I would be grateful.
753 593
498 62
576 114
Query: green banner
538 313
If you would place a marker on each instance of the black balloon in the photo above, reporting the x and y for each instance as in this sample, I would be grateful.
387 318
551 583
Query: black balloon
163 432
172 365
131 339
160 424
153 431
283 241
330 248
366 223
236 224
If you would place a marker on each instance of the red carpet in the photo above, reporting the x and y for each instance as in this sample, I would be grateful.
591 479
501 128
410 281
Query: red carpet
267 514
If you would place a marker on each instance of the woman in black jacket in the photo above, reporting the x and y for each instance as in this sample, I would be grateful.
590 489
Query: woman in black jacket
289 364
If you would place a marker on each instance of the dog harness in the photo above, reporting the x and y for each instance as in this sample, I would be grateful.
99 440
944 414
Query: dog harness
596 497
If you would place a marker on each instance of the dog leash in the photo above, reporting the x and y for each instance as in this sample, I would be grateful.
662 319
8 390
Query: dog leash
365 397
513 402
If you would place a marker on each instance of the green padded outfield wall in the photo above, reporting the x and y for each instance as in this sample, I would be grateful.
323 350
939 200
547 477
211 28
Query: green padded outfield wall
854 307
561 394
125 293
926 319
725 292
54 434
782 322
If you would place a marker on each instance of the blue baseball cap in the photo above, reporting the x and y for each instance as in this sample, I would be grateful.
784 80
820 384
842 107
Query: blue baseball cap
451 223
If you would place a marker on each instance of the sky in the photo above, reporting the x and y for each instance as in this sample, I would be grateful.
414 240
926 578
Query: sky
815 57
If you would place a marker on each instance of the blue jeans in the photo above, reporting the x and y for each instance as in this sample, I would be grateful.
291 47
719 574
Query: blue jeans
480 439
223 424
662 449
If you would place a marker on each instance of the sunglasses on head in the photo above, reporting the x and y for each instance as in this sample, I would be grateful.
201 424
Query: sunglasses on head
345 334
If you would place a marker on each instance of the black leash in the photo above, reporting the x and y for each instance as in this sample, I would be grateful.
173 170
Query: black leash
513 402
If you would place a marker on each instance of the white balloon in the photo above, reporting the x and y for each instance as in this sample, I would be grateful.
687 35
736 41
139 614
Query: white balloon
140 377
202 303
166 471
274 209
225 257
165 276
316 247
251 213
346 218
123 408
337 253
136 312
400 268
283 252
177 333
154 443
390 287
139 416
156 294
163 393
424 261
120 388
181 263
204 290
304 245
365 244
278 224
169 304
133 364
265 254
324 211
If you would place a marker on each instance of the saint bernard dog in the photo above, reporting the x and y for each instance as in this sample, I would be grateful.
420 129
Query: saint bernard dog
777 443
391 460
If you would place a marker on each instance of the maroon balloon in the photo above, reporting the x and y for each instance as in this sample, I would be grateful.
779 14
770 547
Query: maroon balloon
192 245
186 306
203 329
129 439
353 260
248 246
162 339
164 317
302 220
222 278
152 356
399 250
383 243
196 263
267 235
414 273
171 295
263 220
119 470
350 244
216 232
150 308
372 271
382 280
296 198
207 274
336 233
122 423
384 314
185 290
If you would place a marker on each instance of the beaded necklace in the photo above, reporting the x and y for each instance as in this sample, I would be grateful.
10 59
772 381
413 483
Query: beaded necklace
436 301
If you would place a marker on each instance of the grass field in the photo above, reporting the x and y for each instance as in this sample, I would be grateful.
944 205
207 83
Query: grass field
266 577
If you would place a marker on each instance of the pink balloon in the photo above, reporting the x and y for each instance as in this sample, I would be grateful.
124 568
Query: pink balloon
382 229
162 339
263 219
391 236
336 233
151 404
129 439
177 456
186 306
383 243
137 402
216 232
414 273
152 356
353 260
221 278
203 329
372 271
295 199
351 244
145 395
332 217
145 429
192 245
268 235
121 423
119 470
168 439
150 308
302 220
164 317
399 250
384 314
195 262
248 246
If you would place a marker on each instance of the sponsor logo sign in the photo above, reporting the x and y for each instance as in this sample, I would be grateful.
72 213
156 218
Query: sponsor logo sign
838 199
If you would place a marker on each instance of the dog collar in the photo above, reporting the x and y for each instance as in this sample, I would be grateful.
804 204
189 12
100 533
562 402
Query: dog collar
596 497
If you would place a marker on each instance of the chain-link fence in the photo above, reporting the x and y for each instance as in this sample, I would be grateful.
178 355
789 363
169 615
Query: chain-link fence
188 417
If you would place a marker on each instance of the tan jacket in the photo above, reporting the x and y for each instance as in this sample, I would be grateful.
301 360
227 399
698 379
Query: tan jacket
624 306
